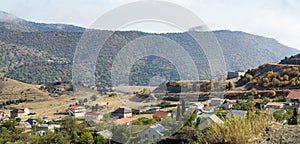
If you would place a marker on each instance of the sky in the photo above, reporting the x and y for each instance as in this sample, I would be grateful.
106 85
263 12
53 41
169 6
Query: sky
279 19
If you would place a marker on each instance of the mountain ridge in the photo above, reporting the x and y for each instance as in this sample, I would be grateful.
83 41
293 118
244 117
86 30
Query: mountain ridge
241 50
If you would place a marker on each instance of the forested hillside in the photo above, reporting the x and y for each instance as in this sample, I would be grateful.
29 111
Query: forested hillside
44 55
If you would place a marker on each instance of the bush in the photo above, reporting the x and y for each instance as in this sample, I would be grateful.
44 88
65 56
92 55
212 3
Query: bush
164 104
143 121
280 99
236 130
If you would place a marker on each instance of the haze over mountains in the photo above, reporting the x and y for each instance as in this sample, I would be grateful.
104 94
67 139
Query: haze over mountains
43 53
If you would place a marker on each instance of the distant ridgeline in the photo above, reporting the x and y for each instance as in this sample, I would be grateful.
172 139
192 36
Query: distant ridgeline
33 53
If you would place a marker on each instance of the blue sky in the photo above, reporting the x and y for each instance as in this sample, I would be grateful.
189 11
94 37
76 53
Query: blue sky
279 19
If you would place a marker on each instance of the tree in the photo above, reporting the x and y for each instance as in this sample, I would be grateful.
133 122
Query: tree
183 107
18 119
99 139
143 121
164 104
121 133
272 93
97 107
80 102
85 100
94 97
293 120
86 138
229 86
178 113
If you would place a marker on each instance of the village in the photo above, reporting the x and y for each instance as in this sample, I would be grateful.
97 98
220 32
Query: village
150 117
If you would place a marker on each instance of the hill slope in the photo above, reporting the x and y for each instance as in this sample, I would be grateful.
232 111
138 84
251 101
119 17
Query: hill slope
49 52
284 75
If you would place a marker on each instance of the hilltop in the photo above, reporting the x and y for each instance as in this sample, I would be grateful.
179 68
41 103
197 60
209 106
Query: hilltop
9 22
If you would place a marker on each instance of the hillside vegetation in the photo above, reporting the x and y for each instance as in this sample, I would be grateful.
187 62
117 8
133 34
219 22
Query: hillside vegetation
42 53
285 75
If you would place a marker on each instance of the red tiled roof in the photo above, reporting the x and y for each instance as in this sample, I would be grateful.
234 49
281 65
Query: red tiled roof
160 114
122 120
294 95
93 122
74 107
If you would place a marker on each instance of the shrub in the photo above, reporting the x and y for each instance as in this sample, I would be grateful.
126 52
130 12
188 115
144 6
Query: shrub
236 130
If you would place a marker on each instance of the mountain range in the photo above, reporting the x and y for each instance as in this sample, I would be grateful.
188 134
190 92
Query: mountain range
43 53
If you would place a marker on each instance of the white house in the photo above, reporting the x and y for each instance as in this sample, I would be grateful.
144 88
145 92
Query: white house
77 111
153 133
2 115
197 106
89 116
275 105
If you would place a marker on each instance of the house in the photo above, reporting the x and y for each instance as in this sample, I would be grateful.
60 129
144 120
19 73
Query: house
208 109
93 123
160 115
105 133
226 105
25 125
77 111
122 121
259 105
153 133
216 102
31 121
22 128
122 112
92 116
2 115
274 105
21 113
293 96
237 113
197 106
46 127
145 110
235 74
206 122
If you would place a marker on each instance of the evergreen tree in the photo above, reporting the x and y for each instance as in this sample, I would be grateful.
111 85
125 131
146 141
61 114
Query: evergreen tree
178 113
294 118
183 107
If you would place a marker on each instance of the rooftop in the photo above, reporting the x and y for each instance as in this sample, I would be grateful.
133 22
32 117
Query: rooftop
92 114
275 104
294 95
122 121
160 114
158 128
